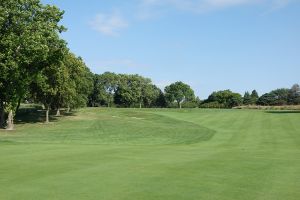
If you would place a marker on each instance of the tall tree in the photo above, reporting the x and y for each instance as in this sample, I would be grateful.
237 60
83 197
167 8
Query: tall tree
64 84
28 30
105 86
81 80
247 100
150 95
294 95
160 100
179 92
132 90
254 97
46 85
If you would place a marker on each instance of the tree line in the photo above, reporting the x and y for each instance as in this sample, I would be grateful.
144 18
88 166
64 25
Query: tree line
37 66
121 90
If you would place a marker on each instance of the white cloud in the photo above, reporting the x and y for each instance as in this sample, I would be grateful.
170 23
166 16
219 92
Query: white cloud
109 24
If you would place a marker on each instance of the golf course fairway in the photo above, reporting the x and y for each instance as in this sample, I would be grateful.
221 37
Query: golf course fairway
157 154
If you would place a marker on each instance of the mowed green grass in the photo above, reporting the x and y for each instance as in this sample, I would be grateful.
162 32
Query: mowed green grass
130 154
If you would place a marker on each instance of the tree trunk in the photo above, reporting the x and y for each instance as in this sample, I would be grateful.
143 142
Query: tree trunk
57 112
140 105
179 104
47 115
68 109
2 117
19 103
10 121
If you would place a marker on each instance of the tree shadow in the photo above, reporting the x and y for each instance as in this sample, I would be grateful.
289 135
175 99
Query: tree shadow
33 115
69 114
283 111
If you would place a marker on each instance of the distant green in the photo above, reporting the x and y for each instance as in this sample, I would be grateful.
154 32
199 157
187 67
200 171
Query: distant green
158 154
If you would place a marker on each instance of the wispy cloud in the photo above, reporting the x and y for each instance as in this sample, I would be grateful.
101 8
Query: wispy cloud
109 24
280 3
202 6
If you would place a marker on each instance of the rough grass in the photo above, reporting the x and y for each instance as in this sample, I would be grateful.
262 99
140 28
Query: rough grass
153 154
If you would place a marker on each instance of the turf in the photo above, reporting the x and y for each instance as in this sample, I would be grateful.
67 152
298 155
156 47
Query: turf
157 154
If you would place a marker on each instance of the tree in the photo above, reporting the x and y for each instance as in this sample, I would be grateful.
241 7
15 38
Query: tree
94 95
105 86
223 99
294 95
133 90
179 92
235 100
65 88
160 100
64 84
254 97
247 100
28 32
45 86
276 97
151 95
81 79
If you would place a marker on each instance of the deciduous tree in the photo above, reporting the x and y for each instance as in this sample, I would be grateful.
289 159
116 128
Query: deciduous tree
28 30
179 92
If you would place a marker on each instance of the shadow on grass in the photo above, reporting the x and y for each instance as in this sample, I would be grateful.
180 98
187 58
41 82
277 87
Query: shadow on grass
33 115
283 111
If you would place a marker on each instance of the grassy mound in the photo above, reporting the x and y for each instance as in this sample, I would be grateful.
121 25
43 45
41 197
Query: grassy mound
123 126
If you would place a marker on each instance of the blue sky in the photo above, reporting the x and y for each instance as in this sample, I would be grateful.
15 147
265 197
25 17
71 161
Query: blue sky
210 44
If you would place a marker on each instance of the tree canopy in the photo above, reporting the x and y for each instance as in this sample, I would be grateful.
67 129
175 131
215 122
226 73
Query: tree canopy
276 97
29 42
223 99
179 92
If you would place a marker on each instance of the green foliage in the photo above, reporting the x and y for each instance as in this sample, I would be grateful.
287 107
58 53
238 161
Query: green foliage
65 84
247 100
160 100
254 97
274 98
223 99
105 86
125 91
179 92
213 104
294 95
134 89
29 40
80 81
